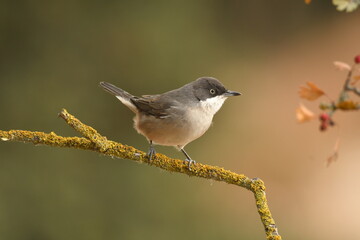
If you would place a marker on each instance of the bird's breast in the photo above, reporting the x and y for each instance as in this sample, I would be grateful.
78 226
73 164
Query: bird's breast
181 125
198 121
178 129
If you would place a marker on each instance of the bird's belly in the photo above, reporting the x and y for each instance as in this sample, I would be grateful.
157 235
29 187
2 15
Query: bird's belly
172 131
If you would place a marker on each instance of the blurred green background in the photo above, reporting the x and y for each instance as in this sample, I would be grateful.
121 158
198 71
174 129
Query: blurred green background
53 54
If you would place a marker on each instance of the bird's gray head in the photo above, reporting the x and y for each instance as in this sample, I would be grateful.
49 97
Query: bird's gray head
211 94
208 87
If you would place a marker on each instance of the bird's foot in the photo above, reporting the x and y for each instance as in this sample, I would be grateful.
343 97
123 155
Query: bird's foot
190 162
188 158
151 153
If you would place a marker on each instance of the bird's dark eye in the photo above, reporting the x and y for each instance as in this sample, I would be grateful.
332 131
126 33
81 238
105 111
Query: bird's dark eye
212 91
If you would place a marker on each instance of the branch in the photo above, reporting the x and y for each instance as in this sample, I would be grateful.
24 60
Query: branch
347 84
93 141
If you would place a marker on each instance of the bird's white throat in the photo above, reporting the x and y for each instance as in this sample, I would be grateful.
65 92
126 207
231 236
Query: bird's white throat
212 105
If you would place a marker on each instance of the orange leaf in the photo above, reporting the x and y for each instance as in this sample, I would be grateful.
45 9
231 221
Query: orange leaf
303 114
348 105
307 1
310 92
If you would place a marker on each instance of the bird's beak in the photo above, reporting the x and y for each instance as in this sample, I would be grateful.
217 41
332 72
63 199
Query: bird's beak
229 93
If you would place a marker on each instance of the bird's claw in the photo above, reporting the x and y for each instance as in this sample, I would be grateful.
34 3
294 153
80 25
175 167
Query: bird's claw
190 162
151 153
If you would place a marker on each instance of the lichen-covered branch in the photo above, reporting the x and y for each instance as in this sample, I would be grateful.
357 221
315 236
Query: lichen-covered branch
93 141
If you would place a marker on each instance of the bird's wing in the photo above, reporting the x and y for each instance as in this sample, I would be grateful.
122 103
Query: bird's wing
150 105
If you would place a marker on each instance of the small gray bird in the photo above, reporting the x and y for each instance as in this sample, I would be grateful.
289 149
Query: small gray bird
177 117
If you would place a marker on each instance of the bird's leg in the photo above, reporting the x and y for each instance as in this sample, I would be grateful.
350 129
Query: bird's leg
188 158
151 151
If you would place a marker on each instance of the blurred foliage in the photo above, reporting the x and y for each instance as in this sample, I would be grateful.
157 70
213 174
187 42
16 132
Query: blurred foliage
54 53
343 5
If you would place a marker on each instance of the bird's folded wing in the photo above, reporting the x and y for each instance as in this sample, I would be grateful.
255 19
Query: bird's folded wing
149 105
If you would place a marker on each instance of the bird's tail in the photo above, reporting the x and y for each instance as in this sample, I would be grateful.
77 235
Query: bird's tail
122 95
115 90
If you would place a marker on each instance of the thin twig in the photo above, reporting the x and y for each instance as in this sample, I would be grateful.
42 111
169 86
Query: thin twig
93 141
347 85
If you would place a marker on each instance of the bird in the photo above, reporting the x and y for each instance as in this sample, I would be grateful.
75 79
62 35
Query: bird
177 117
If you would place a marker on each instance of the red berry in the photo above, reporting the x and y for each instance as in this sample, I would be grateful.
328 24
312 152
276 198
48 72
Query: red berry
324 117
357 59
323 127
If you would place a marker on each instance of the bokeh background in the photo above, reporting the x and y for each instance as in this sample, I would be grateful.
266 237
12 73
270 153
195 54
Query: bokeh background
53 54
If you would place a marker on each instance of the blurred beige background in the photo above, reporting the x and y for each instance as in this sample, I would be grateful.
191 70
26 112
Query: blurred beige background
54 54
